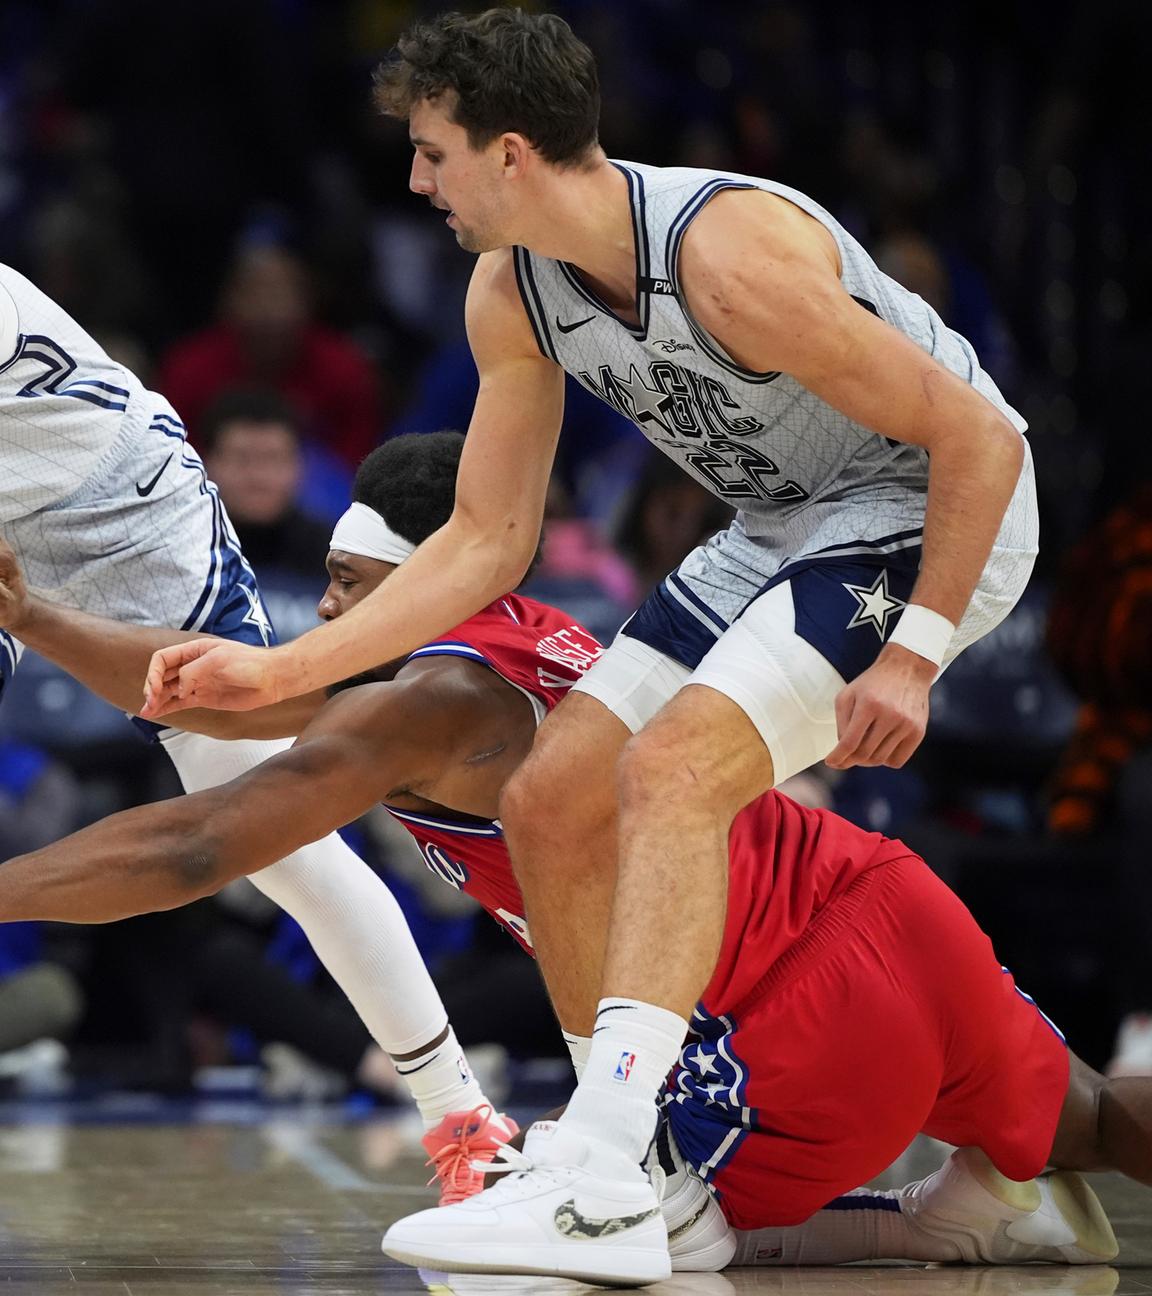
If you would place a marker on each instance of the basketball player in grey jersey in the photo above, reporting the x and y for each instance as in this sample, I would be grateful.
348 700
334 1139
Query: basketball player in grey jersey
111 512
888 520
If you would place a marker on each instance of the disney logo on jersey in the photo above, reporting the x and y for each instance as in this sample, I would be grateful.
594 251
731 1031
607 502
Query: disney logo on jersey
572 648
670 345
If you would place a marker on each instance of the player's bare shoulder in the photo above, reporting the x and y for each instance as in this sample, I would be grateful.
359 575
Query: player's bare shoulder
498 325
752 260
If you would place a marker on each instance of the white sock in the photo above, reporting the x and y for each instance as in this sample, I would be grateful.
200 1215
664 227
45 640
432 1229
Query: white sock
441 1081
579 1046
634 1046
862 1225
351 918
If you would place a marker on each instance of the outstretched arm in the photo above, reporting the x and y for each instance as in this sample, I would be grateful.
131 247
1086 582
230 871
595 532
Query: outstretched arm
165 855
479 554
111 658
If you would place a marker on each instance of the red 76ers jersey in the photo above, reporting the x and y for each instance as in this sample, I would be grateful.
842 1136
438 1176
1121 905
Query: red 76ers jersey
542 652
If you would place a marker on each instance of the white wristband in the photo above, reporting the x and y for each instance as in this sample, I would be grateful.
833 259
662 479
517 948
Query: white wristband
579 1046
924 632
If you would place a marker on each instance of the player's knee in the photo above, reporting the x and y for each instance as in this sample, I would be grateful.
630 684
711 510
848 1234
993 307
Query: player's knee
656 768
554 788
540 782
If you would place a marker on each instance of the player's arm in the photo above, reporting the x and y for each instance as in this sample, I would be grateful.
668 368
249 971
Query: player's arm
111 658
763 278
481 553
364 743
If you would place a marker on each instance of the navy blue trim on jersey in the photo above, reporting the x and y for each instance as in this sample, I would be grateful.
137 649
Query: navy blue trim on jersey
60 366
163 422
883 544
847 607
465 826
641 250
448 648
229 605
235 609
1028 999
676 231
676 623
15 356
863 1201
7 660
533 306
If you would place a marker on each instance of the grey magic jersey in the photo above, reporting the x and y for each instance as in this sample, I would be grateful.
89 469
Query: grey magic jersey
804 477
64 403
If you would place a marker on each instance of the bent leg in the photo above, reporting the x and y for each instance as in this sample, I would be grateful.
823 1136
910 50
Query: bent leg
682 780
559 817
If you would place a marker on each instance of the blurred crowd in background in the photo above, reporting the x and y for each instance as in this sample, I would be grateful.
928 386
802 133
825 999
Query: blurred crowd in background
206 187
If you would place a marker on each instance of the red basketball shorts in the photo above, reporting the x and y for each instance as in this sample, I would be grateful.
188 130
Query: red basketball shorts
890 1016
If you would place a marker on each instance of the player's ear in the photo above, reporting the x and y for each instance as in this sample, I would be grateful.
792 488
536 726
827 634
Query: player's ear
517 152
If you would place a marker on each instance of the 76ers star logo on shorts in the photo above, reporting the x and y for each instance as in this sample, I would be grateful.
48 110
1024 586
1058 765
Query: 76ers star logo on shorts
624 1067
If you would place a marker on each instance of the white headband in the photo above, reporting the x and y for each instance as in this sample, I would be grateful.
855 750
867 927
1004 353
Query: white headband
363 531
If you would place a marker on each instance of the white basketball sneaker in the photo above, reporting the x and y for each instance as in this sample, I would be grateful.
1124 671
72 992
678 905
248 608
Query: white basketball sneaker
993 1220
570 1208
700 1239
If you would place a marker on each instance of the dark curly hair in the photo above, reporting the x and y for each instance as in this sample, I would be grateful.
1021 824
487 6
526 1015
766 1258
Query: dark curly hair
508 71
411 482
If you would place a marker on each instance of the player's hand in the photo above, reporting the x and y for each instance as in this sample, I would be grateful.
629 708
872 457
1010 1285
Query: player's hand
881 716
209 673
14 596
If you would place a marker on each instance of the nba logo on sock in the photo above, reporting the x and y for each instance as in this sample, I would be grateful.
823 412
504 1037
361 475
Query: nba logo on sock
624 1067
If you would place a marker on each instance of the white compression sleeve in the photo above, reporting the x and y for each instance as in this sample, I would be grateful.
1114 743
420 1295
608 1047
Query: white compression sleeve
351 918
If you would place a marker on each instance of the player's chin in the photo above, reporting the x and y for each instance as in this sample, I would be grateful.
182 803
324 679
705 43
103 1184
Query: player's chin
472 241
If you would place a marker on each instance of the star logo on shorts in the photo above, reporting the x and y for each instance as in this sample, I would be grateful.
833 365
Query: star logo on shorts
876 605
256 615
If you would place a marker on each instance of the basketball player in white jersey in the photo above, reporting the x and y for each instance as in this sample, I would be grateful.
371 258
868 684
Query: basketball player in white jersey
111 512
887 520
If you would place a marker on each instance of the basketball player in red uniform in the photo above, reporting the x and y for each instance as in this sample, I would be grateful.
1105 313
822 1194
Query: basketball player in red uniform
854 1004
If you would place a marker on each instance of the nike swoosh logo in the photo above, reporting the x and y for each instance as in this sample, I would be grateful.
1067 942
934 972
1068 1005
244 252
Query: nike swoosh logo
413 1070
690 1222
149 487
569 328
571 1223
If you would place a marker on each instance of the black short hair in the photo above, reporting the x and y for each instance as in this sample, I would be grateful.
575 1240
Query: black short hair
411 482
508 71
244 405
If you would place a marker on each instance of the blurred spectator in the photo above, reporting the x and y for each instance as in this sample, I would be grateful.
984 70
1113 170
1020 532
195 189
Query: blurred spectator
40 1003
40 801
251 447
667 517
956 289
1101 637
266 335
252 451
39 999
579 571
